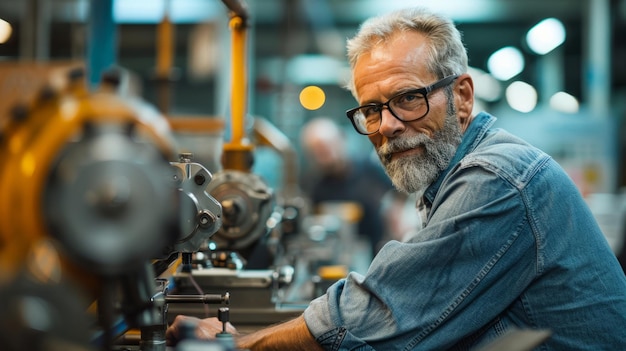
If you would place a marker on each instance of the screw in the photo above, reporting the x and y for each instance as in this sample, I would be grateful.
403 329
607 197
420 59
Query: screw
185 157
205 219
199 179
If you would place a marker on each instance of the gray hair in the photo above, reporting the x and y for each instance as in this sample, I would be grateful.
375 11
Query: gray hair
447 54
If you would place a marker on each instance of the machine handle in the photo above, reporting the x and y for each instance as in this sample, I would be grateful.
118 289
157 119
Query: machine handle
205 299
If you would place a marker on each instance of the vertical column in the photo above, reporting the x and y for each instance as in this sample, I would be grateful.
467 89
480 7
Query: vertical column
597 64
101 40
165 58
34 39
551 74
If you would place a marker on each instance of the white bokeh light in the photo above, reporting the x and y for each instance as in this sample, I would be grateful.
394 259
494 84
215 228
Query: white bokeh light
521 96
545 36
564 102
5 31
506 63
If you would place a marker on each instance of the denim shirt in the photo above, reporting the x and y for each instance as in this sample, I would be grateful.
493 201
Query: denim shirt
508 243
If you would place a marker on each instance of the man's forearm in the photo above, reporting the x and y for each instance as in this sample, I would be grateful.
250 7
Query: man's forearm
292 335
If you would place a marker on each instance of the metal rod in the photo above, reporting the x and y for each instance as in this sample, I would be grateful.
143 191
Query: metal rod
205 299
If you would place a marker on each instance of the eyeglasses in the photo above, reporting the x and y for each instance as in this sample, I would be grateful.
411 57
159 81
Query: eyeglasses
406 107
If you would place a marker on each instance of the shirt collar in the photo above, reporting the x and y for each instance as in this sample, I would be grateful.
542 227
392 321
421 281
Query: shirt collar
471 138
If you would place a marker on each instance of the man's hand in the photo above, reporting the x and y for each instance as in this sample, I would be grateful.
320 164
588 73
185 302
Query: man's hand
205 329
291 335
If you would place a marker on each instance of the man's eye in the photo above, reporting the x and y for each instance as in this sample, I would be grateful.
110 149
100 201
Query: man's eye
407 98
409 101
370 111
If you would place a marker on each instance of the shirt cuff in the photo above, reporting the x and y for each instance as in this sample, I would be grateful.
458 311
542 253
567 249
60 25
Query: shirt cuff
317 316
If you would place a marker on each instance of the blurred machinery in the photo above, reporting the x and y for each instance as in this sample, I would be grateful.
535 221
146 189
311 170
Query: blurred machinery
243 257
98 212
262 254
92 212
108 230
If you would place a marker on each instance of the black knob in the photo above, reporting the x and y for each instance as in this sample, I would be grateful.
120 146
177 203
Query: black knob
223 315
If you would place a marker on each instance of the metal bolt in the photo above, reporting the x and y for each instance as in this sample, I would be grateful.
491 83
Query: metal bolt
205 219
185 157
199 179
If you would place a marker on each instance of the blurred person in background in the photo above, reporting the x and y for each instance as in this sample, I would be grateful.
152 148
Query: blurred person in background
335 176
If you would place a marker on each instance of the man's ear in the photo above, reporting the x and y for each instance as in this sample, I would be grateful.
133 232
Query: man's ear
464 99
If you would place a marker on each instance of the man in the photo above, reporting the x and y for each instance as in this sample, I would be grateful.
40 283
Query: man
507 240
341 179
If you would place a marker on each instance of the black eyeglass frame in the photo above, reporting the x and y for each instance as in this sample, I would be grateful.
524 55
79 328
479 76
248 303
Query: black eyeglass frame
423 91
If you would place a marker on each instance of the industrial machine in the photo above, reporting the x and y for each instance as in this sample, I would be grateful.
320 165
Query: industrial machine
93 211
244 256
99 214
107 232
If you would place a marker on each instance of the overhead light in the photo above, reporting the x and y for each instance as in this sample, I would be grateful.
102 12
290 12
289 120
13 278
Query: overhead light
312 97
545 36
521 96
5 31
564 102
506 63
180 11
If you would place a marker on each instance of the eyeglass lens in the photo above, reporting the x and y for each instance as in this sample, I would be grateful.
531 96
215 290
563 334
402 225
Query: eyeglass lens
406 107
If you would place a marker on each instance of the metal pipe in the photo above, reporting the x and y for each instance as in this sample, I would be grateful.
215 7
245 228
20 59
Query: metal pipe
238 7
238 151
205 299
239 79
102 41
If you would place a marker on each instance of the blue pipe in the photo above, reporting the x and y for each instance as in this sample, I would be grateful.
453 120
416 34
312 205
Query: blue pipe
102 40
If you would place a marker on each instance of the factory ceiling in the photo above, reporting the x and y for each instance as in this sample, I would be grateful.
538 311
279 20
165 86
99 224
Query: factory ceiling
287 28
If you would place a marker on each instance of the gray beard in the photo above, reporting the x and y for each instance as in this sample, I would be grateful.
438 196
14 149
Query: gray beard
413 174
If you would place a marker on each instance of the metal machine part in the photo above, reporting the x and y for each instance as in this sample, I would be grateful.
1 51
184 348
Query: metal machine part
36 305
90 170
247 204
34 316
153 334
200 213
292 200
242 256
89 173
109 201
256 294
152 328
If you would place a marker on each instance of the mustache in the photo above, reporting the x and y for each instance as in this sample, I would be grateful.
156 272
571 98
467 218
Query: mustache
392 146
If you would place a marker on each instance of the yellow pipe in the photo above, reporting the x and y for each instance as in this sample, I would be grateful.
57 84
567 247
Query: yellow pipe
238 84
165 48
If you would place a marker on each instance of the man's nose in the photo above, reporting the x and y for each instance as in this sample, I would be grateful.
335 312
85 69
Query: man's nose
389 124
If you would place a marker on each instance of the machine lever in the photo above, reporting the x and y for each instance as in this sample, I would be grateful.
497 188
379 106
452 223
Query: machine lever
205 299
223 316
